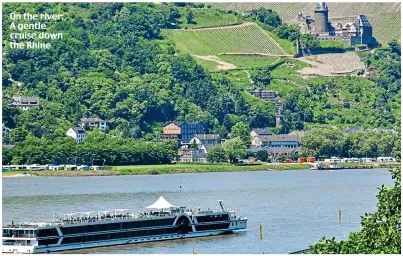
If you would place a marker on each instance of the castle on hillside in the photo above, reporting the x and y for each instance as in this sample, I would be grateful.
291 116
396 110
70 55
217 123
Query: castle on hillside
350 33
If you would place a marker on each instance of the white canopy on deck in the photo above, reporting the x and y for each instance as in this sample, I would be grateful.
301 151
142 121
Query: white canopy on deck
161 203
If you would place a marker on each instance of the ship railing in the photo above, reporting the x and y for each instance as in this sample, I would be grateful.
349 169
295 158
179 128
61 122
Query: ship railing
108 216
79 220
19 235
21 226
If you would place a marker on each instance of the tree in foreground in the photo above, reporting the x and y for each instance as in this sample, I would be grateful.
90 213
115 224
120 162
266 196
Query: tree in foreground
216 155
241 130
234 149
380 231
262 155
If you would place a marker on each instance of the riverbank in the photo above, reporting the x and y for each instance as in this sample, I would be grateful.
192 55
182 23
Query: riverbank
15 174
163 169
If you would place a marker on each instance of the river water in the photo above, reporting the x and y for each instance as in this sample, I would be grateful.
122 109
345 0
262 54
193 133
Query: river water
295 208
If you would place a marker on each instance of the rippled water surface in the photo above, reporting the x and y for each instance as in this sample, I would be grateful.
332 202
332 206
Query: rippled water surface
296 208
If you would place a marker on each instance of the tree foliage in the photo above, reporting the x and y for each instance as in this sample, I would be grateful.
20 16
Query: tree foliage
241 130
217 154
262 155
326 141
234 149
289 32
97 146
261 76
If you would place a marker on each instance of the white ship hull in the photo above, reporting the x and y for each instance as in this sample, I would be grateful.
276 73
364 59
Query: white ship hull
238 226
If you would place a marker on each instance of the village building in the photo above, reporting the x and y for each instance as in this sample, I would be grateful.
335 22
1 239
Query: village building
282 140
164 136
299 134
259 131
205 139
206 147
76 133
276 145
192 155
263 94
92 122
25 102
172 128
183 130
266 95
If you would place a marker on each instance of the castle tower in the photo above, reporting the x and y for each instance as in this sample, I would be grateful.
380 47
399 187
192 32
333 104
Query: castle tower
321 18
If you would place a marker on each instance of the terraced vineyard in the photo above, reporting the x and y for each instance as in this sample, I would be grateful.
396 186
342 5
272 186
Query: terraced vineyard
385 26
341 62
247 38
240 39
332 64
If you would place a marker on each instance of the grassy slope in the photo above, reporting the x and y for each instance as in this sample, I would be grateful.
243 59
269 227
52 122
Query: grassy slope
189 41
287 46
209 65
192 42
386 27
208 18
246 39
238 77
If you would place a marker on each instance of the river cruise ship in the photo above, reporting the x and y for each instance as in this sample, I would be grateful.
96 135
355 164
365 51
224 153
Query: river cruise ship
163 221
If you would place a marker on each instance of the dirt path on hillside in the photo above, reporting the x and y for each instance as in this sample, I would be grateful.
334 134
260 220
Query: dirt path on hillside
254 53
251 81
245 24
222 65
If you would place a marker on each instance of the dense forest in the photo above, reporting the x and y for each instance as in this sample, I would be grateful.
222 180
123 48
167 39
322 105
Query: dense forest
113 63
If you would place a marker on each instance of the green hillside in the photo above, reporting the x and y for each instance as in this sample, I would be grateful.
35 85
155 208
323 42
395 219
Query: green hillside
129 64
203 18
242 39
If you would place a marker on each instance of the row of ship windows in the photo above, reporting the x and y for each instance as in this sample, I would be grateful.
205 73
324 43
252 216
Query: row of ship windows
118 235
106 227
210 218
128 234
212 226
124 225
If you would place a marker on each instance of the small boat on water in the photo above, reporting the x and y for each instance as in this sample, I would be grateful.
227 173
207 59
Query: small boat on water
326 166
94 229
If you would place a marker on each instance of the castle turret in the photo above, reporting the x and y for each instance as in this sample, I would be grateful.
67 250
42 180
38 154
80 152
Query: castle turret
321 18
